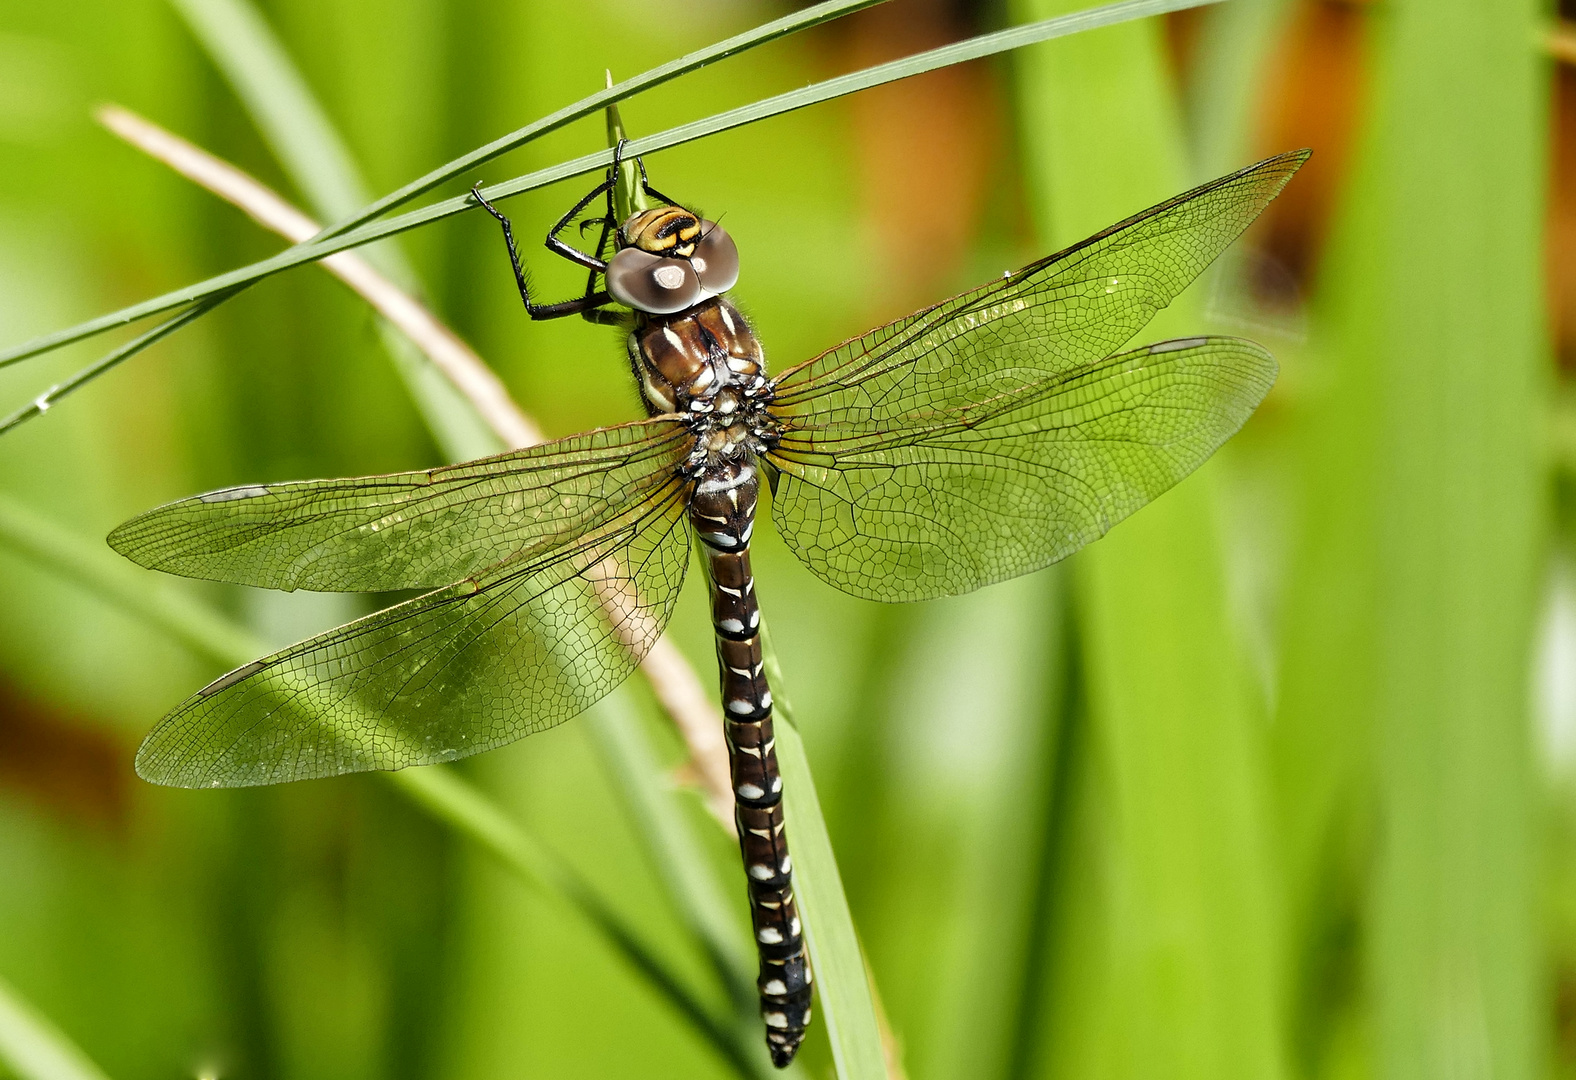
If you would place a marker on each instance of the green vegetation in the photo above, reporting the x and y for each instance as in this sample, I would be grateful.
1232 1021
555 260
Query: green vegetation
1252 788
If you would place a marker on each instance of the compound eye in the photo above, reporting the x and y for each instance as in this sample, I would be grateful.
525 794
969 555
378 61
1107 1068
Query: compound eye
716 259
652 284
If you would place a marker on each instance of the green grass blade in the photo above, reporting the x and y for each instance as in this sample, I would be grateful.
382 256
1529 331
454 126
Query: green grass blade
110 360
842 985
676 859
260 70
972 49
34 1049
309 149
1452 192
1188 963
439 790
243 45
811 16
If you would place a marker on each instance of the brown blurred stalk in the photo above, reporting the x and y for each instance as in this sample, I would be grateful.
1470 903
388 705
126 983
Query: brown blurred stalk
1561 41
672 679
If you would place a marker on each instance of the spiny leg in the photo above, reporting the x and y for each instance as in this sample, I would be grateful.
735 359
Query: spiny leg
645 185
588 304
581 305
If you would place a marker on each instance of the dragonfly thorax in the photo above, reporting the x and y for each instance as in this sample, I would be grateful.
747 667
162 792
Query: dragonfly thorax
704 361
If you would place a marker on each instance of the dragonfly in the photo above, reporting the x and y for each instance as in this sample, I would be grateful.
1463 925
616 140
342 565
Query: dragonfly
976 440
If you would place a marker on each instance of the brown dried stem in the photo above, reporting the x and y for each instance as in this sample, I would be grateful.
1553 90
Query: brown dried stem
674 682
1561 41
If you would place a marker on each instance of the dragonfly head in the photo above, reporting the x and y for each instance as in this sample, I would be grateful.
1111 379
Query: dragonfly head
671 259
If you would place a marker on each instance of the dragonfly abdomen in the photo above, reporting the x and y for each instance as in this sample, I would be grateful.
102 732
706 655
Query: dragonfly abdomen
722 511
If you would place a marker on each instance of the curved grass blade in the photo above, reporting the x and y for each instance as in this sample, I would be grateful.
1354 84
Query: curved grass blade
972 49
761 35
34 1048
612 95
443 793
114 358
296 129
243 45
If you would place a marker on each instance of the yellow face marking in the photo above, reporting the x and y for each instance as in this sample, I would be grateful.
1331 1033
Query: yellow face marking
664 230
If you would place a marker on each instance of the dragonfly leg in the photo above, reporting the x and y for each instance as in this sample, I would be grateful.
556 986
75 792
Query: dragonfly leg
596 315
582 305
645 185
575 255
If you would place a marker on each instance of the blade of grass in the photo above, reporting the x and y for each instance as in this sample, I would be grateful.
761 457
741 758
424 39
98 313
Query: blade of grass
1191 963
35 1049
438 789
676 858
114 358
972 49
220 29
842 983
302 138
1453 186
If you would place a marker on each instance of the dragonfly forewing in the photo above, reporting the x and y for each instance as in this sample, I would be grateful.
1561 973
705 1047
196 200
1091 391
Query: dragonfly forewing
1055 316
910 512
415 530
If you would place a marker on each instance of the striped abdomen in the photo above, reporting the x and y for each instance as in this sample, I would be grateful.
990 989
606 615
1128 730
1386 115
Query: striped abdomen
723 513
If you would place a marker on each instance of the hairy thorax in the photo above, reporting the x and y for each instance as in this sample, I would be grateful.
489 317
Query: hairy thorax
706 364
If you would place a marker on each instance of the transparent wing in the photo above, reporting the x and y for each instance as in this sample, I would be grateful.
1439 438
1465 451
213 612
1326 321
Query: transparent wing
514 650
950 501
1053 317
415 530
994 433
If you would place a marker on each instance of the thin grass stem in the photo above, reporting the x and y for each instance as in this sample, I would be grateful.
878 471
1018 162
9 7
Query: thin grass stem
817 93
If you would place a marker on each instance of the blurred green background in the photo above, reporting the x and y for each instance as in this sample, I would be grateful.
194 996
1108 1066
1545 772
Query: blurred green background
1278 780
